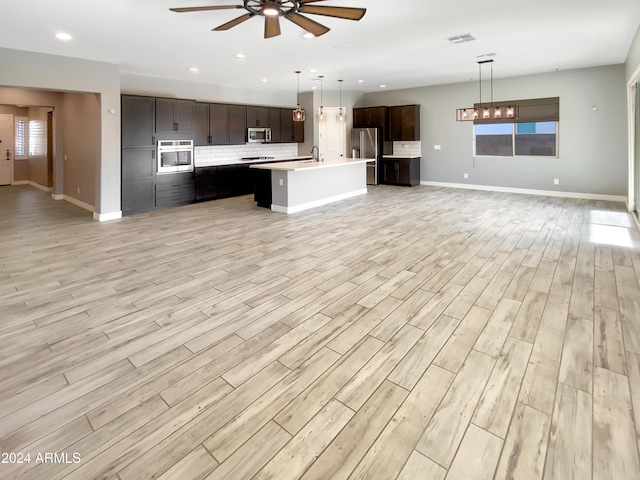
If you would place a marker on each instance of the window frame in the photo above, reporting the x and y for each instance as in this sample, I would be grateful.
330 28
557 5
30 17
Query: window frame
513 141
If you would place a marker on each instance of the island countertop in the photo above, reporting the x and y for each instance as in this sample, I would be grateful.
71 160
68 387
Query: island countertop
299 165
239 161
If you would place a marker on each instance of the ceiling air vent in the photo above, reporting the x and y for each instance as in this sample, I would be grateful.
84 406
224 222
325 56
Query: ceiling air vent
467 37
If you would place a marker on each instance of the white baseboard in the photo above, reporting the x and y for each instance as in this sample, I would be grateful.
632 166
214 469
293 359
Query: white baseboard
75 201
20 182
105 217
317 203
526 191
38 186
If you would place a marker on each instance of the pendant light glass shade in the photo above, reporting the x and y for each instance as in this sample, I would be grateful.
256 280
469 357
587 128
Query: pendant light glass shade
298 113
341 114
321 115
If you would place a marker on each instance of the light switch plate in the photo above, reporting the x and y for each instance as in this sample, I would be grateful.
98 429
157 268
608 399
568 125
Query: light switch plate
437 147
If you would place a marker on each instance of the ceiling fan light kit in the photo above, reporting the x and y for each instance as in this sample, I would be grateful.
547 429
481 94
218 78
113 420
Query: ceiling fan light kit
490 111
291 10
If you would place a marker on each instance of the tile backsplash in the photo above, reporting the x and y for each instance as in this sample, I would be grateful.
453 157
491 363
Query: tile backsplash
407 148
234 152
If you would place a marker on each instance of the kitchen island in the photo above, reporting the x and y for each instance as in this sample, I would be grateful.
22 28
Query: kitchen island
296 186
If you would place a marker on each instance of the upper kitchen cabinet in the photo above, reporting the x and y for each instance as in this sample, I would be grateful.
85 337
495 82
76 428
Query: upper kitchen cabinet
275 124
237 124
370 117
174 116
257 117
404 123
201 124
137 121
219 124
286 125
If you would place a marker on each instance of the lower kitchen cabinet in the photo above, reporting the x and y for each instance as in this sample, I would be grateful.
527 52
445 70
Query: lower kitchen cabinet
401 171
223 181
137 192
175 189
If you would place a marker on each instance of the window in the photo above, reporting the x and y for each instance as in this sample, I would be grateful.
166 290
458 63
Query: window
37 137
534 133
21 138
536 139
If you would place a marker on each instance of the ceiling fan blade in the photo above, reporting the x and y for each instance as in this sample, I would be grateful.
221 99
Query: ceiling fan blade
271 27
204 9
307 24
234 22
347 13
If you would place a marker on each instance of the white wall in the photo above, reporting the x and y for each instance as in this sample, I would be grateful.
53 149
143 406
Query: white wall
593 144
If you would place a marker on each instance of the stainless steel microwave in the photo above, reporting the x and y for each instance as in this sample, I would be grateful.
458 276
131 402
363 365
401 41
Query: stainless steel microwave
259 135
175 156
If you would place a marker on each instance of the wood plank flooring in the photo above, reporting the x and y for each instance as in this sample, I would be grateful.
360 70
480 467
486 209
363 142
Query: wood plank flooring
406 334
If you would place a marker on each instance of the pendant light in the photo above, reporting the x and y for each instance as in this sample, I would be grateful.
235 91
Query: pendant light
298 113
490 112
341 116
322 116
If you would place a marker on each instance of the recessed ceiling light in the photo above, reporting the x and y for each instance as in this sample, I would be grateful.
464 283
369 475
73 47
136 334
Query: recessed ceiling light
239 55
308 35
313 70
65 37
383 86
360 81
264 80
194 70
314 88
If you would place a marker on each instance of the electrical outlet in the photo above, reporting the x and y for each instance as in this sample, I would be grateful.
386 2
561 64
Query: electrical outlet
281 182
556 181
437 147
466 175
78 190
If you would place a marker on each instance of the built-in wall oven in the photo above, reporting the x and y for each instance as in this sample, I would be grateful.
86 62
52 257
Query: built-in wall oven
175 156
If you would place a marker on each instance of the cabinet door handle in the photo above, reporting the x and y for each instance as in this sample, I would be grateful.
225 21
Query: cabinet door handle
175 126
153 139
209 139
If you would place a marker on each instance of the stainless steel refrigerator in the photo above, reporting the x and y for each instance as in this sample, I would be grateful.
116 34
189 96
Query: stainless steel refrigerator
364 144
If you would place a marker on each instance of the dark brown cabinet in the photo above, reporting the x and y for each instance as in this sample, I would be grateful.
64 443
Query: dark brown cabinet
237 124
201 124
175 189
138 154
174 116
138 126
370 117
257 117
275 124
223 181
404 123
401 171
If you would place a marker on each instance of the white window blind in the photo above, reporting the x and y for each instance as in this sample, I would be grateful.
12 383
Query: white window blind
21 138
37 137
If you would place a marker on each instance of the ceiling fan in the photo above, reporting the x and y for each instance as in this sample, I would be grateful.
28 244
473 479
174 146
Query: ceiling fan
272 10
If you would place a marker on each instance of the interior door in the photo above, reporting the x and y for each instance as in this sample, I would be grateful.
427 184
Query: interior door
332 135
6 148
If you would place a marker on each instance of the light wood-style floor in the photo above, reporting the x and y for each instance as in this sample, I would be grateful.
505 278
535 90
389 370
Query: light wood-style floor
407 334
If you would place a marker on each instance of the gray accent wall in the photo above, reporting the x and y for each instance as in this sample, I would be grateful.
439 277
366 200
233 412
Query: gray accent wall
592 144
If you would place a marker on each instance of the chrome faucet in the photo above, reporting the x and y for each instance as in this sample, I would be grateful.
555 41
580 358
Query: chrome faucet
316 156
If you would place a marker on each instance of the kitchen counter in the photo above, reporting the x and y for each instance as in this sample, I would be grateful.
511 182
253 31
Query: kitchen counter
300 185
239 161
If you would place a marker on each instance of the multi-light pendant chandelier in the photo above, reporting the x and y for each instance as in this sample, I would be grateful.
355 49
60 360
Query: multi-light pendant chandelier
298 113
484 112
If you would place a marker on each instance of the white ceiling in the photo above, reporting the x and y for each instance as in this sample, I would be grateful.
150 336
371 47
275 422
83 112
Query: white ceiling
399 43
